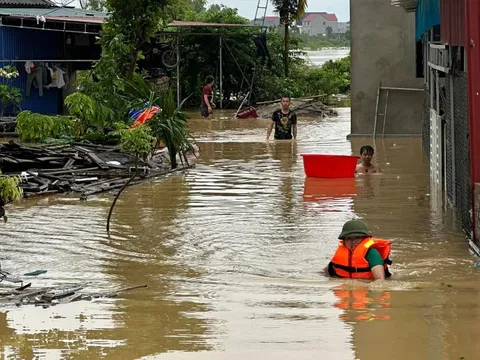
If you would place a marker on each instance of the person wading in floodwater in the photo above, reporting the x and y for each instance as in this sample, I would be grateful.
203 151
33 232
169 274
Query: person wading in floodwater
285 122
359 256
207 105
366 166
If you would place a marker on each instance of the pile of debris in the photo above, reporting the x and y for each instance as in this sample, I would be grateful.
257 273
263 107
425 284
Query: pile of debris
7 126
79 167
48 296
306 107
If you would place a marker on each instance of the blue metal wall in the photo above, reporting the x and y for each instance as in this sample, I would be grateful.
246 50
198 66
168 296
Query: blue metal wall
27 44
427 15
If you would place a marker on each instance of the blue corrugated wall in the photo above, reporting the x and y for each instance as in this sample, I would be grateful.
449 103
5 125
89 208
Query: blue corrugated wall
427 15
26 44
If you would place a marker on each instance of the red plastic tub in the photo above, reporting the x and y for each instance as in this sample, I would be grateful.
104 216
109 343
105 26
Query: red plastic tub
329 166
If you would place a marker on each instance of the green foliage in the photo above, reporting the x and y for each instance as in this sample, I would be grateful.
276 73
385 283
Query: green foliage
137 141
169 125
33 127
8 94
289 10
333 77
90 113
97 5
9 189
318 42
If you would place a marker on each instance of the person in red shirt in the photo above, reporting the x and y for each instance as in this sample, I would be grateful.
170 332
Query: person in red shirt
207 105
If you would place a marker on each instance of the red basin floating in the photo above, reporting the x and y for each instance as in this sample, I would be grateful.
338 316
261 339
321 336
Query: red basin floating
329 166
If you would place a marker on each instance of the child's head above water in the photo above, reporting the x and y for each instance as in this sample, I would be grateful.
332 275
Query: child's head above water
367 150
366 153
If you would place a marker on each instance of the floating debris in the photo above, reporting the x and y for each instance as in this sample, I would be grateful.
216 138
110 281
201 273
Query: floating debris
49 296
78 167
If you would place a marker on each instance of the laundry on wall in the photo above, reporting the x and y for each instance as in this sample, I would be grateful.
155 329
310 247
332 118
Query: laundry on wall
45 76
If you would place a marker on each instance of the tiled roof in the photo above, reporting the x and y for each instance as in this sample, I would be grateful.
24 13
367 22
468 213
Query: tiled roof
330 17
310 17
27 3
271 18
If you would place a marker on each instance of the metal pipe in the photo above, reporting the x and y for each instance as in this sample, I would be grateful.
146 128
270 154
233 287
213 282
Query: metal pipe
51 60
376 111
44 29
398 88
178 70
452 125
385 114
221 73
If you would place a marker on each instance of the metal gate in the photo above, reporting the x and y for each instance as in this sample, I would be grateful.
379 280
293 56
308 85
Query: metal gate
436 149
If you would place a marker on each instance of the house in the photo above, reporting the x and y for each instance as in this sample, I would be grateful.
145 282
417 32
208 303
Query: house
41 32
343 27
268 21
318 23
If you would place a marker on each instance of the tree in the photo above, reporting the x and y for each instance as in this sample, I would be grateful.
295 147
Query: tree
329 30
198 5
288 10
97 5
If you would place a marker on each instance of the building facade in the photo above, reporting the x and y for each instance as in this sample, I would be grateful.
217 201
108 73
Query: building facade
382 53
318 23
47 44
448 61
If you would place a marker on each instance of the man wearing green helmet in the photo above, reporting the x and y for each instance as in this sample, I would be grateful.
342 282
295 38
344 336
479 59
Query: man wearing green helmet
359 256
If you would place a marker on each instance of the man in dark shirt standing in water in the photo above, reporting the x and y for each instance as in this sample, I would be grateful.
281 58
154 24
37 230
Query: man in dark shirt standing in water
207 105
285 122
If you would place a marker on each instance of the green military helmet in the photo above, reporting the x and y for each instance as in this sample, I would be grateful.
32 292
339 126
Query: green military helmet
354 228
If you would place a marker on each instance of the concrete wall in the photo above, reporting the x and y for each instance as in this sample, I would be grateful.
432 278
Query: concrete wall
383 50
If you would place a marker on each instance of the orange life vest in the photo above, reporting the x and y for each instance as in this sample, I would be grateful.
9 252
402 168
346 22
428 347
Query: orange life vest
353 265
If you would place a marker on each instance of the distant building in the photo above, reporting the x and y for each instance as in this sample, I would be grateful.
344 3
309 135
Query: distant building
343 27
269 21
317 23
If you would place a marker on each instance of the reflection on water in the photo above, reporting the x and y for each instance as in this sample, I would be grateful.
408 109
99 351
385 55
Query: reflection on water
232 253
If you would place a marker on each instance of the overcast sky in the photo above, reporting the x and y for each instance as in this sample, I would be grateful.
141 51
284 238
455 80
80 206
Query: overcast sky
247 8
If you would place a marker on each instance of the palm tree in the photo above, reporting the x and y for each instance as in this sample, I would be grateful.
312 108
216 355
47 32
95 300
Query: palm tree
289 10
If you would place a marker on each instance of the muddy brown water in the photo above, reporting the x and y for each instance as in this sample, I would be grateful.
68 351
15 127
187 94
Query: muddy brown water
232 252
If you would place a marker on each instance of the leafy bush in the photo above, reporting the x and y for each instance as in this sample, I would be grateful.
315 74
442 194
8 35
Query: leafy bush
9 189
8 94
90 113
33 127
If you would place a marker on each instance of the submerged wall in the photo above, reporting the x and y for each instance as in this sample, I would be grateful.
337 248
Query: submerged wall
383 50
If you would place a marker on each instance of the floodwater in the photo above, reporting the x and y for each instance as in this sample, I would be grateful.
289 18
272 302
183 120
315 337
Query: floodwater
232 253
320 57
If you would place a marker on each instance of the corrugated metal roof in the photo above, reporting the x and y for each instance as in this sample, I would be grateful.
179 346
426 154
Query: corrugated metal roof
177 23
53 12
38 3
453 22
427 15
90 20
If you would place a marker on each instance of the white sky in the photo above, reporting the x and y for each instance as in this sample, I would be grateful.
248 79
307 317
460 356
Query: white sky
247 7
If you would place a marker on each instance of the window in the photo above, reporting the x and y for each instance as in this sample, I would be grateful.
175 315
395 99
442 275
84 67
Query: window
324 23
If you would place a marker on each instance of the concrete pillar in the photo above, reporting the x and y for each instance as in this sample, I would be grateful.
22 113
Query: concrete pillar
383 50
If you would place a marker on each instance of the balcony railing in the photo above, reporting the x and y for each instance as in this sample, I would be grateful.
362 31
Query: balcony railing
439 57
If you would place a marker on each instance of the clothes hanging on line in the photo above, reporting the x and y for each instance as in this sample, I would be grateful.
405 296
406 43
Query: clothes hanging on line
42 75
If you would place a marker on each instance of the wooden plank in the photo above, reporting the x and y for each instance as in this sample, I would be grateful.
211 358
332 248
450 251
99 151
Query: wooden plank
69 163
